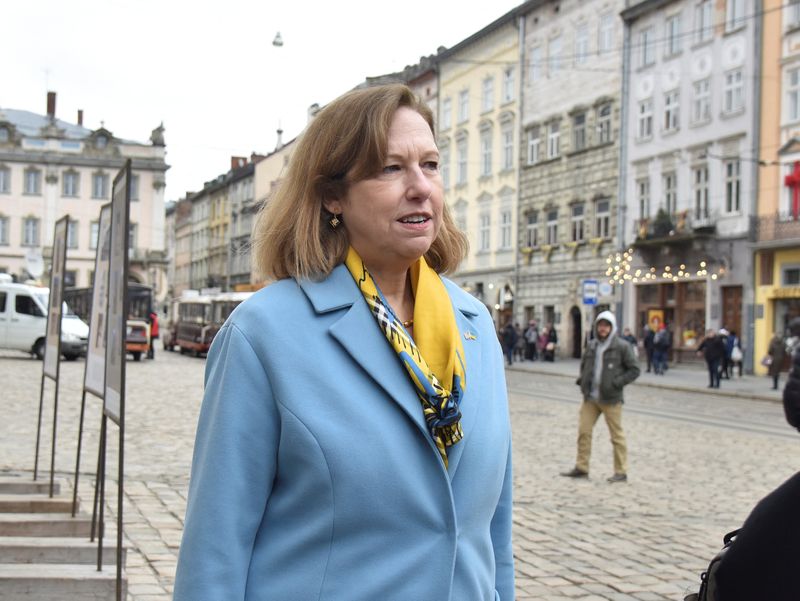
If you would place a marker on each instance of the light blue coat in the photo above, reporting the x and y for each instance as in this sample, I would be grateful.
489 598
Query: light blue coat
314 476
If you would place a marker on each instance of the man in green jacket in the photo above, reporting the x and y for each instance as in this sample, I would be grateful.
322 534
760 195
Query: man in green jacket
607 366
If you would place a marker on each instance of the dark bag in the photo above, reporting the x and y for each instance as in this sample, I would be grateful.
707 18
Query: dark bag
708 584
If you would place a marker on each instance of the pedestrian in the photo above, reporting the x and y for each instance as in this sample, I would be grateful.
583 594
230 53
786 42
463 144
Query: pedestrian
531 341
519 346
551 344
508 335
661 346
725 364
761 561
607 366
649 346
628 336
734 350
346 473
776 353
153 319
544 338
712 349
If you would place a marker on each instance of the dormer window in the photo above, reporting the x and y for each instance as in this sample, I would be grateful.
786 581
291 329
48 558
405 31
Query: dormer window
5 135
100 142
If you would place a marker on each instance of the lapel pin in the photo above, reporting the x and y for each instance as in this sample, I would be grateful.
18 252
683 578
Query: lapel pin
470 336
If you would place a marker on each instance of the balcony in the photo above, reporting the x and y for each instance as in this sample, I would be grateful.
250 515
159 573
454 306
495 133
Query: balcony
777 227
674 228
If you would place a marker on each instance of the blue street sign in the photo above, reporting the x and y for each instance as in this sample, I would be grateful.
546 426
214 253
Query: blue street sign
590 292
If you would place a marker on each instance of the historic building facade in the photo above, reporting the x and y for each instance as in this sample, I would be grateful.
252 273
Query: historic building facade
568 163
50 168
777 223
478 126
690 166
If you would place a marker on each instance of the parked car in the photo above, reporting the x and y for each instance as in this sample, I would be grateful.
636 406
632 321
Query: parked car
23 322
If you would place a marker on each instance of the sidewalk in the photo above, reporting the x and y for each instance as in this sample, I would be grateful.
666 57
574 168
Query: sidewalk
688 377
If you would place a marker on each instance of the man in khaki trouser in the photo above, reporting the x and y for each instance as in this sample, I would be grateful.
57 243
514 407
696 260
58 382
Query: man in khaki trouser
607 366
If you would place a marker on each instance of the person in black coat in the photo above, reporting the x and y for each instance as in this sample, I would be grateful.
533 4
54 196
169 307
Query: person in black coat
649 345
713 350
761 563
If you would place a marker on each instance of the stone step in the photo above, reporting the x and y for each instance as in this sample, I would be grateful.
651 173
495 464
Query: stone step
57 582
27 549
45 524
34 503
24 485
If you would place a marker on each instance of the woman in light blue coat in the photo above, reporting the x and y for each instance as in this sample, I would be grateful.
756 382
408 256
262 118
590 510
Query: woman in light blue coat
354 440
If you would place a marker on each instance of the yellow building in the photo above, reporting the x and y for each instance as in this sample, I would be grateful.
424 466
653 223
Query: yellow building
478 125
777 223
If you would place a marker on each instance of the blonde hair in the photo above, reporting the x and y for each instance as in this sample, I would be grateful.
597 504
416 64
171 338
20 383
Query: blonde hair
346 142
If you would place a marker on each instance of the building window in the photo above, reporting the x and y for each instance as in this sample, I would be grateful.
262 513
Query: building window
508 147
602 219
792 14
673 35
133 232
461 162
94 232
582 44
605 37
604 124
33 182
672 111
532 230
647 51
670 189
732 186
4 236
486 152
508 84
576 230
554 51
579 131
444 167
704 21
536 63
485 232
793 95
463 106
487 95
72 234
5 180
643 189
5 135
551 236
645 129
505 229
553 140
30 231
791 276
134 187
447 113
461 215
534 146
99 185
734 14
700 177
701 103
70 183
734 96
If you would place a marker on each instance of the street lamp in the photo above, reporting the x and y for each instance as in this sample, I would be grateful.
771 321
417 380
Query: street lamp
278 41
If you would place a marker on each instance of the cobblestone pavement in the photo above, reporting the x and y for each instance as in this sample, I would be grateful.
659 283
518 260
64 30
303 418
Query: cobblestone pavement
698 463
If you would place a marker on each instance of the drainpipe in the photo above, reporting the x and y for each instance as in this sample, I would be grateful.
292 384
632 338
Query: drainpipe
521 63
623 159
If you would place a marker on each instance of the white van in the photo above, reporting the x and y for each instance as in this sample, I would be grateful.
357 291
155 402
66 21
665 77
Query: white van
23 322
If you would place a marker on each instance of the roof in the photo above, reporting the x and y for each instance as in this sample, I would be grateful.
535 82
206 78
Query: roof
31 124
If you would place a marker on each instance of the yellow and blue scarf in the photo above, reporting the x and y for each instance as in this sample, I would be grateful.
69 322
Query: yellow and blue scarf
435 336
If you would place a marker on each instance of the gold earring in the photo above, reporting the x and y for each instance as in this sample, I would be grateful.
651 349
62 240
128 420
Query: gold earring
334 221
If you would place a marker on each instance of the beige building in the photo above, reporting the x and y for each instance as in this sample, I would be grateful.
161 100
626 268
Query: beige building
181 258
478 124
50 168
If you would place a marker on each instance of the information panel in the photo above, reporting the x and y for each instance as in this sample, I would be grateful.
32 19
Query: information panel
117 293
96 353
52 347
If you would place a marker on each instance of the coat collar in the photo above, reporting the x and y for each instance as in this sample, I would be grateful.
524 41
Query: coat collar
359 335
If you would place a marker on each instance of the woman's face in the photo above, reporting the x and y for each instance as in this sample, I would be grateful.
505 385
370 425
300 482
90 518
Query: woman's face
393 217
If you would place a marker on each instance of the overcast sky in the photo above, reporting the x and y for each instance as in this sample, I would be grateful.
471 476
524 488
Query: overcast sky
208 69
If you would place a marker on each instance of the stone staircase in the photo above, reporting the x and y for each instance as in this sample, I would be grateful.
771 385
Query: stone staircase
45 553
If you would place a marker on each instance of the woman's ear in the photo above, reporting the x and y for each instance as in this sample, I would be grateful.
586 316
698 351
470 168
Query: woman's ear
333 206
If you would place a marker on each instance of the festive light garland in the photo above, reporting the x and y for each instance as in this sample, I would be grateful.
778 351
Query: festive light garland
619 271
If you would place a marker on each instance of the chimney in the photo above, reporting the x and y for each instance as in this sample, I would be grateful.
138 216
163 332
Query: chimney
51 105
237 162
312 112
279 143
80 116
